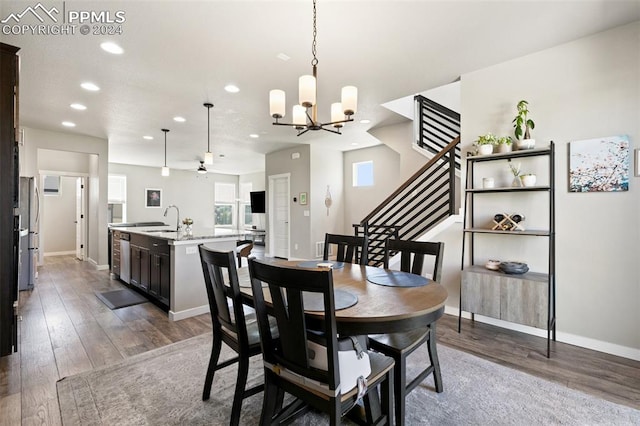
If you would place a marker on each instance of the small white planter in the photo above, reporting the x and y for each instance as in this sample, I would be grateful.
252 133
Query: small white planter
504 147
528 180
485 149
526 144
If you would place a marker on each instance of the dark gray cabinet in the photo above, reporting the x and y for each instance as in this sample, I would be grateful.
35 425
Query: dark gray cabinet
151 267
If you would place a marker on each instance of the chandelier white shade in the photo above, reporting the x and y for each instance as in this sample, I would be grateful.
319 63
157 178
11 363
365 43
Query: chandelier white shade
165 169
305 114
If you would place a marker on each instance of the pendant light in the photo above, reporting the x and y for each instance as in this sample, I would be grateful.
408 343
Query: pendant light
208 156
305 114
165 169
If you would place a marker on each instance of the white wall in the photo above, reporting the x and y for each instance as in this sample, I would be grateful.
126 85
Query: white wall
360 201
58 226
60 143
300 181
399 137
326 171
191 192
580 90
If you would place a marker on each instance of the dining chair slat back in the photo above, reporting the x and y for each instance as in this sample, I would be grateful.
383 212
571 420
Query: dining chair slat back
287 358
400 345
231 324
413 254
350 248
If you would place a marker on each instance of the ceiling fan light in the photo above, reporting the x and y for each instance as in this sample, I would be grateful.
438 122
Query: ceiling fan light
307 90
277 103
349 100
208 158
165 171
202 169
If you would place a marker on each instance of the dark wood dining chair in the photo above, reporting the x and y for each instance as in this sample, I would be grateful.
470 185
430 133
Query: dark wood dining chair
243 249
400 345
350 248
288 358
231 324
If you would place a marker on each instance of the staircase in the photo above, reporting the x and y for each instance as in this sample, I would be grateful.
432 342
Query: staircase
429 196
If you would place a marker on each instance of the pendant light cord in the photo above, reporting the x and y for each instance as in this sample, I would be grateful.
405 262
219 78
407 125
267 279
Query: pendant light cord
165 146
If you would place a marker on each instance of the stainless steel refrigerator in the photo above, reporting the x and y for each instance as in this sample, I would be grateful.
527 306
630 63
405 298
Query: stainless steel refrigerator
28 209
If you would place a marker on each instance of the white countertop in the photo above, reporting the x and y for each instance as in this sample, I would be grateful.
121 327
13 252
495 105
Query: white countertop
197 236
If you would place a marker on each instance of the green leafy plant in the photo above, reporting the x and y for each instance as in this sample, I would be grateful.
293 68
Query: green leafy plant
522 124
505 140
488 139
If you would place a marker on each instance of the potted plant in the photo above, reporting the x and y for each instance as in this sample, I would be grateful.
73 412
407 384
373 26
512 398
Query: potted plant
504 144
523 126
528 179
485 143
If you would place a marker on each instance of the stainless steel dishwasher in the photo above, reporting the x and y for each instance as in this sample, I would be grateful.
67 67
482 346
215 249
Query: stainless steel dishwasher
125 258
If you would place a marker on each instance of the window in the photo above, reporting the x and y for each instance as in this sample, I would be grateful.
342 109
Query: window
225 199
117 199
363 173
245 204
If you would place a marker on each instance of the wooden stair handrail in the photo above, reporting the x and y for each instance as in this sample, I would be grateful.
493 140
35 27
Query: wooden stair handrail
409 181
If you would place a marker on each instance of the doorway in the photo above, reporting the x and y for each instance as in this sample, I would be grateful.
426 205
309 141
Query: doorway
63 227
279 228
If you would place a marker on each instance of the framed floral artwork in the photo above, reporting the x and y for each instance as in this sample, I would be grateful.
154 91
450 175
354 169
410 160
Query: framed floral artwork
153 198
599 165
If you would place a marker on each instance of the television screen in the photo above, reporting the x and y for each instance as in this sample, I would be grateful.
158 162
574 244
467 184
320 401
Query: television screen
257 201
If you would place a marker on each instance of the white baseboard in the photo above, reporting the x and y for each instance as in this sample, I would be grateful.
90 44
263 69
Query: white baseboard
59 253
188 313
571 339
96 265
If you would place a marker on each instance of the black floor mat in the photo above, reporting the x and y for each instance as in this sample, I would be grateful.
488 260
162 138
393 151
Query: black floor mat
120 298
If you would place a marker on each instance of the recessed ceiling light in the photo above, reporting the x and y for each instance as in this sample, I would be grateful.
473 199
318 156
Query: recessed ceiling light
282 57
354 144
179 119
111 47
365 121
79 107
254 136
147 137
231 88
90 87
68 124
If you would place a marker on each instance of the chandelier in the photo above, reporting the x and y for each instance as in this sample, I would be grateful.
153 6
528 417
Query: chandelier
305 115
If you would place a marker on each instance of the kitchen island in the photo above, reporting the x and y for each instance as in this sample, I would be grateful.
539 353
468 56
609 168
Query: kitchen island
164 265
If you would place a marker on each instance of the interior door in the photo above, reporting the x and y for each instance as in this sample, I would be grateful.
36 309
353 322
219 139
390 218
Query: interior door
80 215
279 215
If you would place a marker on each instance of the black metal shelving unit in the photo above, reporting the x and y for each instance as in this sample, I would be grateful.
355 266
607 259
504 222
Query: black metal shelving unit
471 231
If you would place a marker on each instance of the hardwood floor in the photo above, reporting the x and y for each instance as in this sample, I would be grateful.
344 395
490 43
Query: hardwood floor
66 330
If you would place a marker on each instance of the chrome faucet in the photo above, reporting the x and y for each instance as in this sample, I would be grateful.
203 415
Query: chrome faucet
177 216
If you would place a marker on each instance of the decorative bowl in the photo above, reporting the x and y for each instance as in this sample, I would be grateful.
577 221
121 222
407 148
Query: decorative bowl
493 265
514 268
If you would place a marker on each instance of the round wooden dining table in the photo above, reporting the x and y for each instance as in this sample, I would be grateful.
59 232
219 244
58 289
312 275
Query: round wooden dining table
379 308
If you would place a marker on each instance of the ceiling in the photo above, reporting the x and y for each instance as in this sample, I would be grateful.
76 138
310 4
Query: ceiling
180 54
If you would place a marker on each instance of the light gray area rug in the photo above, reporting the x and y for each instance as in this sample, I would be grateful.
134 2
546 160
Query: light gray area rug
164 387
